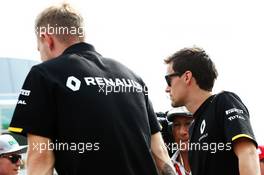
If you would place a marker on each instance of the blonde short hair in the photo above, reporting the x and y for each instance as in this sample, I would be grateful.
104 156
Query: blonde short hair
62 21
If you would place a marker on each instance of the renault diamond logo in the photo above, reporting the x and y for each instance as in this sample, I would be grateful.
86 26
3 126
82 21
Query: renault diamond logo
73 83
202 127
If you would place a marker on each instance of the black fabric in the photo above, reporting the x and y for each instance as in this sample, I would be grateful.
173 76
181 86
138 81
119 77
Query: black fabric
114 127
219 121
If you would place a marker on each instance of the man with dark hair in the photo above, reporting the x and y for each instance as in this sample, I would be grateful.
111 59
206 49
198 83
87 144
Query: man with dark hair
83 113
221 133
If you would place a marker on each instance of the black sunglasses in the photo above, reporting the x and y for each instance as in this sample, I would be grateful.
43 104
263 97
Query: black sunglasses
168 77
13 157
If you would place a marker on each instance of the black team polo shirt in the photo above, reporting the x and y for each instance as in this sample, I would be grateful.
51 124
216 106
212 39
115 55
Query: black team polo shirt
95 110
219 121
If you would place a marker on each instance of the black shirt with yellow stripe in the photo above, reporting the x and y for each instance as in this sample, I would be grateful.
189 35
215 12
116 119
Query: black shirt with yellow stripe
219 121
95 110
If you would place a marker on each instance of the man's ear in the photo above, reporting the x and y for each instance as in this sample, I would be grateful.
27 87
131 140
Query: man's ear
48 39
188 77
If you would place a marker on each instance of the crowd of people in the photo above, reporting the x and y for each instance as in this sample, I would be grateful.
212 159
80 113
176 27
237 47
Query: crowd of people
72 126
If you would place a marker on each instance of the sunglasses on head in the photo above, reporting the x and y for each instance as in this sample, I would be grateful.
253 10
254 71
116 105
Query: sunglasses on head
168 77
13 157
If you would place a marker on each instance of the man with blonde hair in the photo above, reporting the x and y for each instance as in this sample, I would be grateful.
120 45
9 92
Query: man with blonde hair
83 113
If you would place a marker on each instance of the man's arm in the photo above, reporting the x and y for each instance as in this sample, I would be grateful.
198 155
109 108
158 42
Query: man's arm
248 160
161 155
40 159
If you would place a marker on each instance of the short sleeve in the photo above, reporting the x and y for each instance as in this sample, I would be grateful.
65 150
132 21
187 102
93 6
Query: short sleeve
35 109
235 118
153 121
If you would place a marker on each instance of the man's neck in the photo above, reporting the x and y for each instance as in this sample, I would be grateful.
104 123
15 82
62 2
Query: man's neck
62 46
67 45
197 99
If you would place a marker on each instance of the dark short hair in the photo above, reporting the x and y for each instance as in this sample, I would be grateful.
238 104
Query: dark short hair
198 62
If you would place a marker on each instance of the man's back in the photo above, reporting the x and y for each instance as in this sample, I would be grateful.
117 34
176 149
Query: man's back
95 110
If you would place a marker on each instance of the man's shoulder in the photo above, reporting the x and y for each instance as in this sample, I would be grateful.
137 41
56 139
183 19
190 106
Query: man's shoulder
116 67
53 61
226 95
120 67
55 65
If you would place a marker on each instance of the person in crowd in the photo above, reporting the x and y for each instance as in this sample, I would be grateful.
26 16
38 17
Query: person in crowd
181 120
83 113
261 159
221 137
10 155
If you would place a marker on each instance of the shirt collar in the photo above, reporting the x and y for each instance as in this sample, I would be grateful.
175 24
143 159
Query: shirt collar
79 47
175 156
203 106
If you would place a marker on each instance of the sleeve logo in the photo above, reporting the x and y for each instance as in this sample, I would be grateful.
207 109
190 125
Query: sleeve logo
229 111
25 92
21 102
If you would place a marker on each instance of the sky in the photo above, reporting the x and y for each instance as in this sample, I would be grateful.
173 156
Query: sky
142 33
